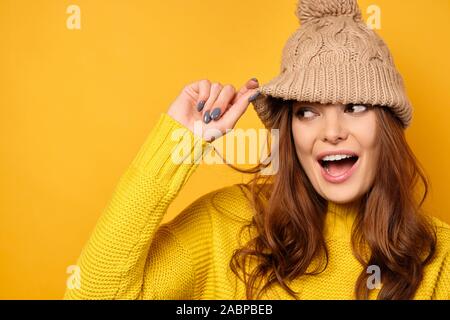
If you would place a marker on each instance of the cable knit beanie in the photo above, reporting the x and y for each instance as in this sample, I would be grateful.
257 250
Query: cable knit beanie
335 58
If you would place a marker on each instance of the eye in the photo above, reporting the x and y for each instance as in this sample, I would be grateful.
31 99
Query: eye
355 108
305 113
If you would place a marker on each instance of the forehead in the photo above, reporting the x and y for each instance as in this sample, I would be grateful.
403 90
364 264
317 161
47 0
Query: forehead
314 104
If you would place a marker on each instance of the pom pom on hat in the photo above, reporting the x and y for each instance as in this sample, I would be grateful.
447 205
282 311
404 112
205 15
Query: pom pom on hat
308 10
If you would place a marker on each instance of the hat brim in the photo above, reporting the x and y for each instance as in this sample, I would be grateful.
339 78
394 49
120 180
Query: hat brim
372 84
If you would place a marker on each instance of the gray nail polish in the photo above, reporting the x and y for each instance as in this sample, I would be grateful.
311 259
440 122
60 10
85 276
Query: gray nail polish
206 117
254 79
215 114
200 105
253 97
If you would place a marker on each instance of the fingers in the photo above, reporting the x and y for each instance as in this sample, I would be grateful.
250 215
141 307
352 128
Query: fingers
216 101
242 100
214 93
222 102
249 85
204 87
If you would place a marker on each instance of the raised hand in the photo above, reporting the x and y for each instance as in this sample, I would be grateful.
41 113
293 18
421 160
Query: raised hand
214 105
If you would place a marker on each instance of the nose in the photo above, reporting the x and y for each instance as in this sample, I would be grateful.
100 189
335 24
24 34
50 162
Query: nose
333 130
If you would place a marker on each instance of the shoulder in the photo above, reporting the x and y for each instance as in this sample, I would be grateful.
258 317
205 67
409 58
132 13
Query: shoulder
442 232
231 202
443 236
212 220
439 269
226 204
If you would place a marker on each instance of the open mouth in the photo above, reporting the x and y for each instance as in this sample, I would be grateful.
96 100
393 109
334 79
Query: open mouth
337 165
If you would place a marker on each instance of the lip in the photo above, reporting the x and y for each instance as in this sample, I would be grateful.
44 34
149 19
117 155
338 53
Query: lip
343 177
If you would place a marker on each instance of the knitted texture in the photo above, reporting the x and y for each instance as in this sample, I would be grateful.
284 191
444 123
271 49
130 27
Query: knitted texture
335 58
132 255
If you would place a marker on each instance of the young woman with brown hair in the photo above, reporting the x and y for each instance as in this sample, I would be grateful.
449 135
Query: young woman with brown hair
341 210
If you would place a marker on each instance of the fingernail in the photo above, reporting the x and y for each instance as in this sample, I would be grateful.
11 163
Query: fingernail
206 117
215 114
254 79
200 105
253 97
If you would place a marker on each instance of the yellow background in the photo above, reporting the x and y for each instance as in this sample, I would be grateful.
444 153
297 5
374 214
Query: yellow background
75 106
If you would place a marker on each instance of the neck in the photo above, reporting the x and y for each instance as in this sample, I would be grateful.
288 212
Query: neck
344 208
339 219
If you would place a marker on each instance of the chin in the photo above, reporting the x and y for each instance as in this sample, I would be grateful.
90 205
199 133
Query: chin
341 193
341 197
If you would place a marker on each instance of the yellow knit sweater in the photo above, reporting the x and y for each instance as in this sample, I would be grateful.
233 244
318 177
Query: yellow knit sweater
132 255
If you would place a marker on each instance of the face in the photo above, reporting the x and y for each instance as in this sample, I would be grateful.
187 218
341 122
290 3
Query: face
337 147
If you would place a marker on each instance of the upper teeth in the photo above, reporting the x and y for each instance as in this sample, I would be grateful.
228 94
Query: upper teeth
335 157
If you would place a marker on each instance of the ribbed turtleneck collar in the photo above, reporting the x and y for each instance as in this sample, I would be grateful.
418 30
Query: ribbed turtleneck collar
342 208
339 220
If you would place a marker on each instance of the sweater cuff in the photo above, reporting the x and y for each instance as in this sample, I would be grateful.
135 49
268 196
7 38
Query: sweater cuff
171 152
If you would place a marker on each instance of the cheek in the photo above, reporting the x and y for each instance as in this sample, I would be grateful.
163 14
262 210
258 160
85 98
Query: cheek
365 132
303 139
372 158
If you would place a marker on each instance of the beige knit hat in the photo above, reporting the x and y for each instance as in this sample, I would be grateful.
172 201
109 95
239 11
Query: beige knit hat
335 58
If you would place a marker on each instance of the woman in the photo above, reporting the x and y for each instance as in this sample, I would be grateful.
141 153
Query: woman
338 220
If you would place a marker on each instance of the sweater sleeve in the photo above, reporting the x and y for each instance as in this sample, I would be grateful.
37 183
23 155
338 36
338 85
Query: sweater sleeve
128 233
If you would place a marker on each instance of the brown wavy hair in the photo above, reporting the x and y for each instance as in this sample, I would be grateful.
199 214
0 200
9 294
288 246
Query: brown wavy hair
390 230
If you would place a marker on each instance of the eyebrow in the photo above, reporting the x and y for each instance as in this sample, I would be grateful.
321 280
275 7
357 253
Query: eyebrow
300 103
304 104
